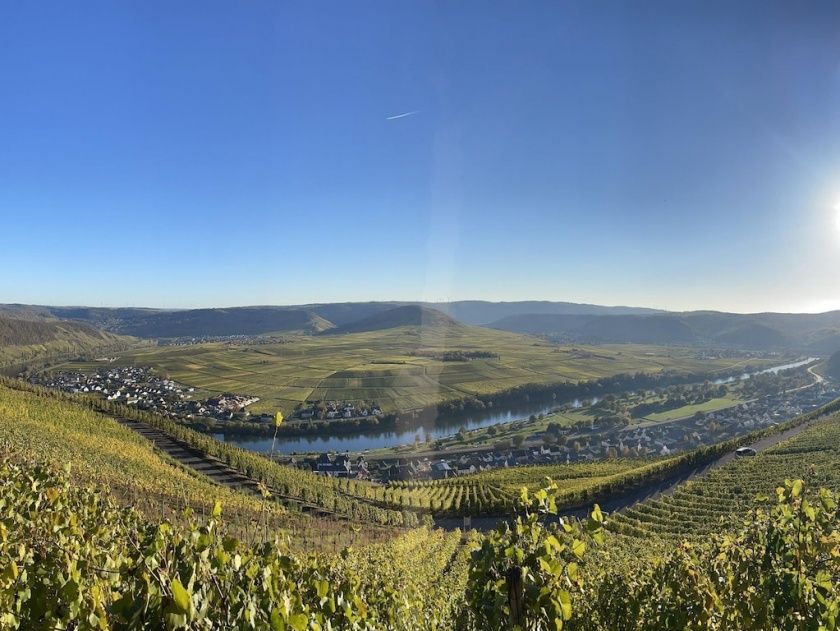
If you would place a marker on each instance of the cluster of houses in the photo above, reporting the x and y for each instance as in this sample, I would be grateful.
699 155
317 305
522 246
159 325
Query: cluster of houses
333 410
226 339
588 444
734 353
141 387
336 465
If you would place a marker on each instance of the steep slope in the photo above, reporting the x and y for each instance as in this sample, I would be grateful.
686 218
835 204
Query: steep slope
484 312
26 339
408 315
62 432
234 321
541 323
109 318
752 335
656 329
814 333
341 313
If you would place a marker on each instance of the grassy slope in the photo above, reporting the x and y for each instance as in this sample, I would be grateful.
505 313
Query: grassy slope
712 405
379 366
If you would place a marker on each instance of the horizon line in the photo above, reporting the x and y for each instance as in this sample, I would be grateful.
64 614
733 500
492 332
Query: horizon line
653 310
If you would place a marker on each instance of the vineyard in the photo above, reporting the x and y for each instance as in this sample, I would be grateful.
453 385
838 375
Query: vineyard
194 555
399 367
495 492
350 499
714 502
99 451
396 504
71 558
410 503
455 496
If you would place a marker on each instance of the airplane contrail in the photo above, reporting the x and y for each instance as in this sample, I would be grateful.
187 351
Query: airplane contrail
403 115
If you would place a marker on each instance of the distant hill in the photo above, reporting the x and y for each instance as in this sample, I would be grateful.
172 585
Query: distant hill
807 333
639 329
479 312
813 333
221 322
541 323
151 323
33 337
655 329
341 313
484 312
408 315
752 335
166 323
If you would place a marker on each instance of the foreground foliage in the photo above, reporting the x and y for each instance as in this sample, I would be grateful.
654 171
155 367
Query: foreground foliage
781 571
349 499
72 559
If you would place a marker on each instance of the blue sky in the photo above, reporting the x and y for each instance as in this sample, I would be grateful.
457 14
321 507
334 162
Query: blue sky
676 154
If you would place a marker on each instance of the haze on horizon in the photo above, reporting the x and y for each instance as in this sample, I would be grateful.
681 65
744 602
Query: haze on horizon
211 154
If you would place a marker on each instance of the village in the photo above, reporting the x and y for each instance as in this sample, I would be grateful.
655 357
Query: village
334 410
142 388
570 445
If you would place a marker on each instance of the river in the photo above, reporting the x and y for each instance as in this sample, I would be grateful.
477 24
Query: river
377 439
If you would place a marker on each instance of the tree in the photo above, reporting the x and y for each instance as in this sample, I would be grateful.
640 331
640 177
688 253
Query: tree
518 440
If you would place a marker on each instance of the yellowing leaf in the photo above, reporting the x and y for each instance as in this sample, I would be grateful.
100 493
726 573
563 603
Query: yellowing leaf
298 621
565 599
181 596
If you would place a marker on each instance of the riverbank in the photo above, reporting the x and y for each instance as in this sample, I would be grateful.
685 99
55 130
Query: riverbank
440 424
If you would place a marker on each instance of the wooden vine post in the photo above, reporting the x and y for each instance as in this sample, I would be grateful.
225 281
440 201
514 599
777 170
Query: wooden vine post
516 597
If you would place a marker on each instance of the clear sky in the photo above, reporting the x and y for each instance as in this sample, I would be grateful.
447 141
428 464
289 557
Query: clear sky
198 153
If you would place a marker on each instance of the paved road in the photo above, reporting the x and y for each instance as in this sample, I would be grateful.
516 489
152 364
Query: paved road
662 488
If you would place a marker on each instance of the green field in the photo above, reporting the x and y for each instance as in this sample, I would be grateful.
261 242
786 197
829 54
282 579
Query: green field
380 367
712 405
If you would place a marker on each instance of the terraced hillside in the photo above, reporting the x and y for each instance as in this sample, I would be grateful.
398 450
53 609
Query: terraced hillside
717 501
